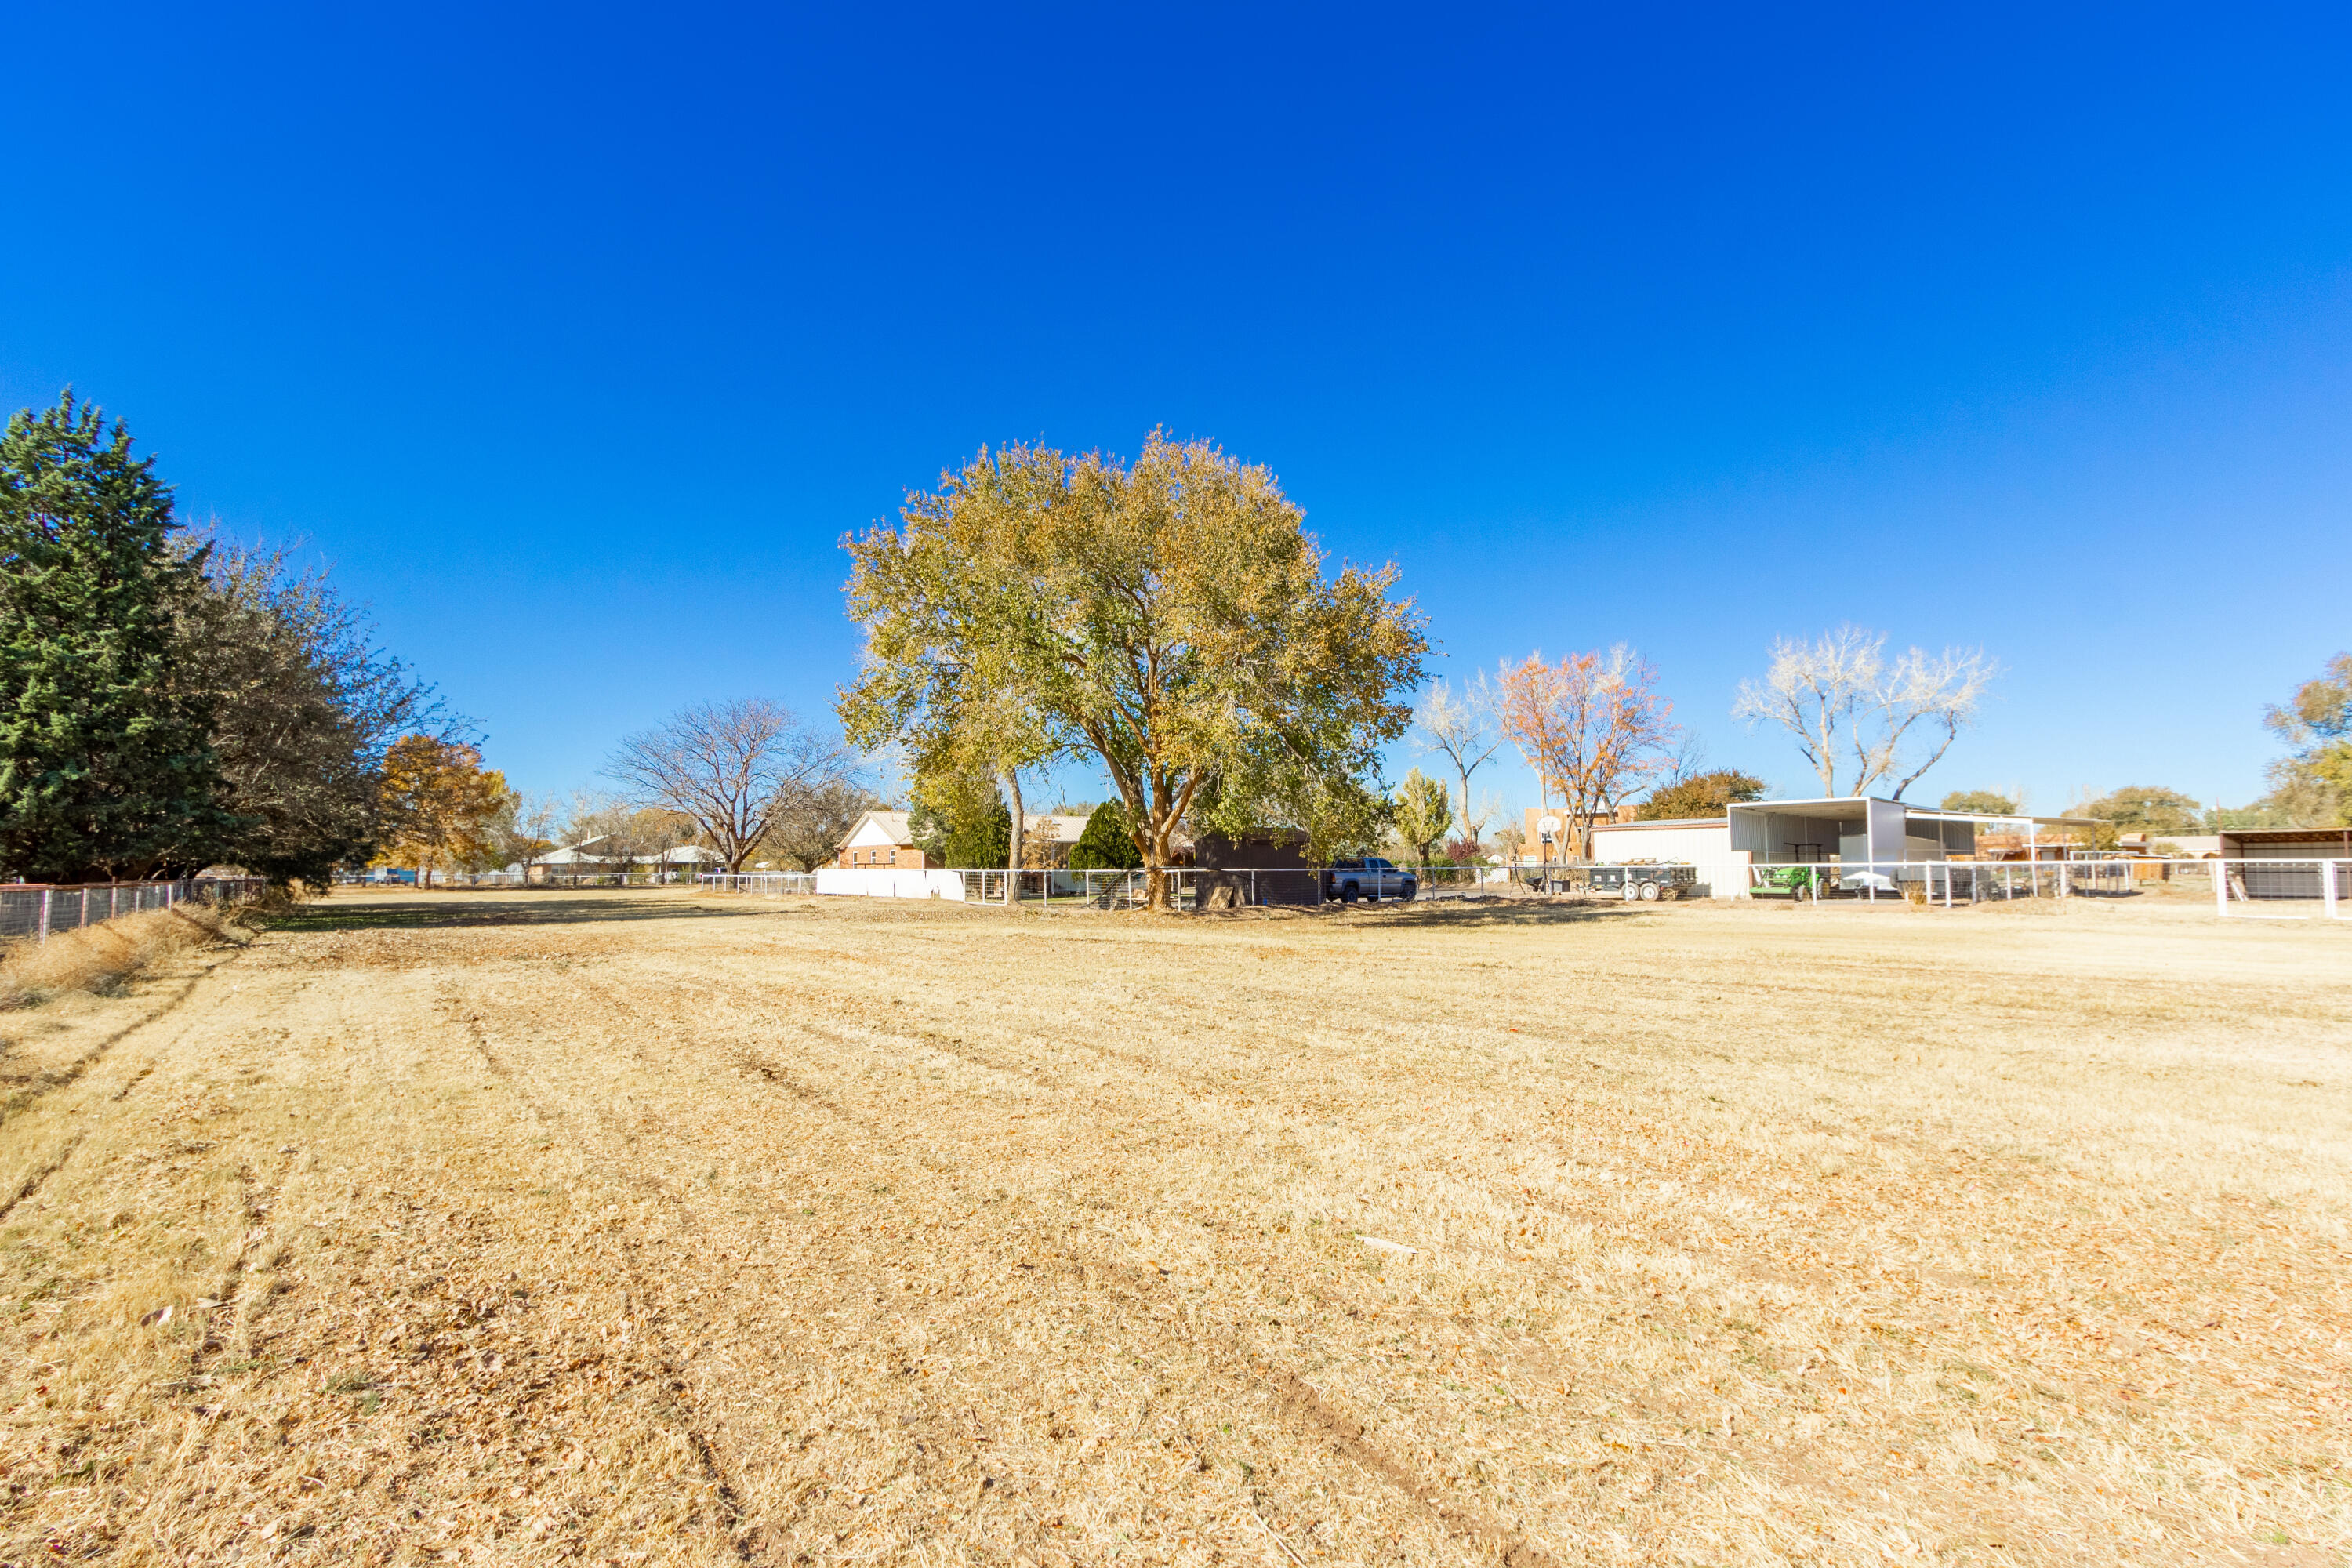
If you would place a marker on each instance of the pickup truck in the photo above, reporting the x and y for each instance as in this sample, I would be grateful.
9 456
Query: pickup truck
1367 876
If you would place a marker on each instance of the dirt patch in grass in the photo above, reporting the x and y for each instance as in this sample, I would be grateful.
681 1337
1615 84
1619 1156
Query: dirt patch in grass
574 1228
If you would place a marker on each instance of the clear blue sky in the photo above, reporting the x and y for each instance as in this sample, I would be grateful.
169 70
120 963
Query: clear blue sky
577 338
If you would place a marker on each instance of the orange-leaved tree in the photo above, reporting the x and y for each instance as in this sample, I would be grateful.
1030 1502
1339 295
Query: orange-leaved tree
1592 727
439 804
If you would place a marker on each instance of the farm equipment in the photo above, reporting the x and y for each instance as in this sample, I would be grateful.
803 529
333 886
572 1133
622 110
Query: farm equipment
1796 882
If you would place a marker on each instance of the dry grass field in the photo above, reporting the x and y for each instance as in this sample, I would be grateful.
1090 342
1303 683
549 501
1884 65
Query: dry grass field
683 1229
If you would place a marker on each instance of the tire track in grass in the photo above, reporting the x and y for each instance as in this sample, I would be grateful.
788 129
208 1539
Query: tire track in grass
743 1537
939 1425
1297 1402
26 1100
38 1090
34 1183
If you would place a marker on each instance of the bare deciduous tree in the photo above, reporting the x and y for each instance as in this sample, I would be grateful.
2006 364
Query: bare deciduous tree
812 819
305 707
1460 729
727 766
1838 696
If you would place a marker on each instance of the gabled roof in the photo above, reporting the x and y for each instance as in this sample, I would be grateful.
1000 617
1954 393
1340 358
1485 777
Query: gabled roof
892 823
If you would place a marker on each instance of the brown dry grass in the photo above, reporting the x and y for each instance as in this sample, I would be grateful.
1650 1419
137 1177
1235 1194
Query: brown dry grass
103 958
635 1228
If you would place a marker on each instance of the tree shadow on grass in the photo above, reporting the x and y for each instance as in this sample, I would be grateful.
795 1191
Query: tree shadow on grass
1454 914
522 909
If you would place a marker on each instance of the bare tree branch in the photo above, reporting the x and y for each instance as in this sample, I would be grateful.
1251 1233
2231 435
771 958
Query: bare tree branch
729 767
1460 726
1837 696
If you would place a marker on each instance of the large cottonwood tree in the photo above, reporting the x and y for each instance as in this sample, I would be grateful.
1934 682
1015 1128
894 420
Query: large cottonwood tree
1169 617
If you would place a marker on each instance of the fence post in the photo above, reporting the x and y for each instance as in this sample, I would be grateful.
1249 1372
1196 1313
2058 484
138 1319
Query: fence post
2220 888
2328 887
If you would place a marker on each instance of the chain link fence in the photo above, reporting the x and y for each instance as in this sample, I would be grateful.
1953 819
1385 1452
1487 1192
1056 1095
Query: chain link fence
2274 890
38 910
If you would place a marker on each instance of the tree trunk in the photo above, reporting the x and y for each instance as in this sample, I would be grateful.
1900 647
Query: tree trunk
1015 842
1155 880
1155 869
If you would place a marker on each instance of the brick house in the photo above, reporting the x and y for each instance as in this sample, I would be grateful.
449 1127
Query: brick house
880 841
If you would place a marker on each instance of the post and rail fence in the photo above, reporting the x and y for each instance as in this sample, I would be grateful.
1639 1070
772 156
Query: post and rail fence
36 911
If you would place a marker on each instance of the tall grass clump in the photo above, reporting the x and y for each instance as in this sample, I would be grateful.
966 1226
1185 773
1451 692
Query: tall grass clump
101 958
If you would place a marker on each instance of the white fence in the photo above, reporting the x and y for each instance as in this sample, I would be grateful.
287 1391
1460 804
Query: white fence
773 884
36 910
2283 889
2258 889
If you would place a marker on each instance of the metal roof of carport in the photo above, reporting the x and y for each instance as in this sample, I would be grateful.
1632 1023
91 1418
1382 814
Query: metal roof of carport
2286 835
1857 807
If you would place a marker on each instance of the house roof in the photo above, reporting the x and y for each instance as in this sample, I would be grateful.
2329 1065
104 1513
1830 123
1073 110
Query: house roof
570 852
1055 829
891 824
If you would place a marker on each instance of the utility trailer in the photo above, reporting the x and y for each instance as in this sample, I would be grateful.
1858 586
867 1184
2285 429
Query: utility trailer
1650 884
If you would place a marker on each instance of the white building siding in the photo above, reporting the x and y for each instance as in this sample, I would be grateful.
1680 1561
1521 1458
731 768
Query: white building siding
1722 870
883 883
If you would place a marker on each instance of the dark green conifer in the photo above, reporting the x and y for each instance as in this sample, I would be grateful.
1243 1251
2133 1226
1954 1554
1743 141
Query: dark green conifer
105 766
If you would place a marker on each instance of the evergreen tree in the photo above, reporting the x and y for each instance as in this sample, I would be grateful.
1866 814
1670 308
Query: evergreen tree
958 819
1107 843
105 766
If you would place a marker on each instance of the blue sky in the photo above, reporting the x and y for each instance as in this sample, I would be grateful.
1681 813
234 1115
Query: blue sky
577 338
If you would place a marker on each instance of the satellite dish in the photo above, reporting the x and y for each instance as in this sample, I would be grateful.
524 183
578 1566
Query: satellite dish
1547 825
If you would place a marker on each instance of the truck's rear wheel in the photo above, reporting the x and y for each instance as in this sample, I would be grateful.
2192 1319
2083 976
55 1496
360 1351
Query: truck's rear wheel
1346 893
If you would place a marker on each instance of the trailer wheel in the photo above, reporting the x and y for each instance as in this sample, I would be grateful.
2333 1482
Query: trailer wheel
1649 892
